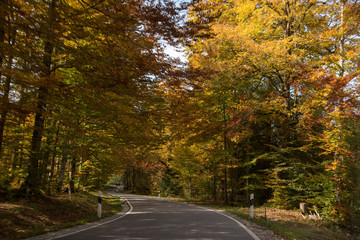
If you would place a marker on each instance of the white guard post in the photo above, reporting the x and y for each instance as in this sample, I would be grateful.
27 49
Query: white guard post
252 205
99 204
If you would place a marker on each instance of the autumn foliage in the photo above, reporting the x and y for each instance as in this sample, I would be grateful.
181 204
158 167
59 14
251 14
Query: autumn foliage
267 103
79 91
275 110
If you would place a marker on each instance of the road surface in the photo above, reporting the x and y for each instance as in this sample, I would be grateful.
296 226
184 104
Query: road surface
154 218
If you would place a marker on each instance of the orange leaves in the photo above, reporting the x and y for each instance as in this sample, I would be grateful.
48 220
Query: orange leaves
243 115
280 91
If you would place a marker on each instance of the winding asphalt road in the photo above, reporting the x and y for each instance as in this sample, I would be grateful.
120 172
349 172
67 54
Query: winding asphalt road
155 218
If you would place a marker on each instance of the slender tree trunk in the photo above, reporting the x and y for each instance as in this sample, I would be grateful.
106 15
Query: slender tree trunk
62 172
190 183
342 39
69 179
72 175
6 92
286 77
79 178
231 173
4 112
247 185
21 148
226 198
3 15
32 182
225 160
21 159
17 152
46 162
15 159
133 176
63 163
52 167
214 187
126 180
339 158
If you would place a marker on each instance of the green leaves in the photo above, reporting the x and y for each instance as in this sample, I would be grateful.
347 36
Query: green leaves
278 96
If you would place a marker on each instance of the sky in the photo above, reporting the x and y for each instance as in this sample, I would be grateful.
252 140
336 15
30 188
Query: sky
176 52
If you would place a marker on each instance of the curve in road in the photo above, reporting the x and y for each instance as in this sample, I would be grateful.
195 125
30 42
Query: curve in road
150 218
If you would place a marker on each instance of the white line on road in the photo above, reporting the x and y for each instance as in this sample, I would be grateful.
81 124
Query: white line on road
252 234
239 223
112 220
131 209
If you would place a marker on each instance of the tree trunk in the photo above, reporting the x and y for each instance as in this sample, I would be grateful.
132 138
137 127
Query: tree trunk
4 112
15 158
286 78
133 175
21 157
232 191
226 187
342 39
52 167
17 152
225 159
3 15
79 178
72 175
6 92
247 185
214 187
190 183
46 162
32 182
127 180
63 163
62 172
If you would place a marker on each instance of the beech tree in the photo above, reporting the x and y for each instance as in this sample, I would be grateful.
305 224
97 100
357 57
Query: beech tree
276 65
84 75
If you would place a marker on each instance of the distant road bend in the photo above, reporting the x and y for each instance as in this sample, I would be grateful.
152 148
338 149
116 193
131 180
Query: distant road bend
156 218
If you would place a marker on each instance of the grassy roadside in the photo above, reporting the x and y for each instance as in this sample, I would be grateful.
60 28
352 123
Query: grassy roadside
289 224
24 218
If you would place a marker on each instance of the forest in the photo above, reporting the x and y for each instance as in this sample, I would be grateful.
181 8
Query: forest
267 101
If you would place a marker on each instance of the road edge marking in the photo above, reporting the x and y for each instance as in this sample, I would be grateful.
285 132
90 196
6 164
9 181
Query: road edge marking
251 233
94 226
239 223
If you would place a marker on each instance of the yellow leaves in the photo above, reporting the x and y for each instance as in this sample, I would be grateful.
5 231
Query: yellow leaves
75 43
252 39
241 135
